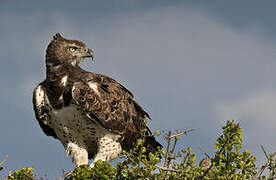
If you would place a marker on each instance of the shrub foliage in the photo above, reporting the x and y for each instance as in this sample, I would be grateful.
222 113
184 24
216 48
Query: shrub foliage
229 161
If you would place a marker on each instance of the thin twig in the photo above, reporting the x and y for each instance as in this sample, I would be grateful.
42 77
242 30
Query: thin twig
66 174
168 148
185 158
207 155
266 155
184 132
2 162
171 152
167 152
263 166
166 169
261 170
174 145
268 159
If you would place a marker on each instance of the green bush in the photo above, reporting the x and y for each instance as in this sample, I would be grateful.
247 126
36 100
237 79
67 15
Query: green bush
229 162
23 174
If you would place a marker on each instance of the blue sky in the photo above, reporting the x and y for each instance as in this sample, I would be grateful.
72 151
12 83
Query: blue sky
192 64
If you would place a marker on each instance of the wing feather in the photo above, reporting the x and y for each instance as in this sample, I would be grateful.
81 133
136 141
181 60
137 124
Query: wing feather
111 105
40 105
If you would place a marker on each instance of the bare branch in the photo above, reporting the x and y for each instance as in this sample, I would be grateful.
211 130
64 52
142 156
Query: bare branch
203 152
184 132
269 159
266 155
167 154
171 152
166 169
168 148
2 162
65 174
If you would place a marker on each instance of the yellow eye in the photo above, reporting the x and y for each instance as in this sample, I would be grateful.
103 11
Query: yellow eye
72 49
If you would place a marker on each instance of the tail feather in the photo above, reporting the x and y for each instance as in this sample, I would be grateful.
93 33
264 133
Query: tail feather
151 144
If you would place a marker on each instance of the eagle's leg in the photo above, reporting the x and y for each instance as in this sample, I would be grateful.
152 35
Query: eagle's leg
78 153
108 149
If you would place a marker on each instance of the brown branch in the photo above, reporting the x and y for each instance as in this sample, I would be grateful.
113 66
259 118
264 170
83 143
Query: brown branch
266 155
261 170
184 132
168 148
263 166
166 169
268 163
207 155
185 158
169 153
2 162
166 155
65 174
175 141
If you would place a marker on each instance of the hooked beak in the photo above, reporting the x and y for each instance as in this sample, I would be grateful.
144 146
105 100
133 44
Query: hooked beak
89 53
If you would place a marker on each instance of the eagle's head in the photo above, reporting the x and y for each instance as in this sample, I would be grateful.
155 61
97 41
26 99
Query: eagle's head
66 51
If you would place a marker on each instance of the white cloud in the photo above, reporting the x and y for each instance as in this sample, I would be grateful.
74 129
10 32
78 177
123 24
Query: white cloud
259 106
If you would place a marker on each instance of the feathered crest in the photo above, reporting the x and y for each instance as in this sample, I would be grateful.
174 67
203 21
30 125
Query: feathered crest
57 36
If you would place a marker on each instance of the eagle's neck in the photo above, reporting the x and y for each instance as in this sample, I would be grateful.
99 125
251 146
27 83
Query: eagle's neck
57 79
55 73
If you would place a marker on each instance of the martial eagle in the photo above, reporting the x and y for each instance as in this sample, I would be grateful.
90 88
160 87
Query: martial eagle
91 114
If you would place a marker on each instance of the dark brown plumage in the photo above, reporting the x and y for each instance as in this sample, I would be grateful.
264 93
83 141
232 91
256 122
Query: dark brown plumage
87 112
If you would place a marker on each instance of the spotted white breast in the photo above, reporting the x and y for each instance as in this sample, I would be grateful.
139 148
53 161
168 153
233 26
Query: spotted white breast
79 133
